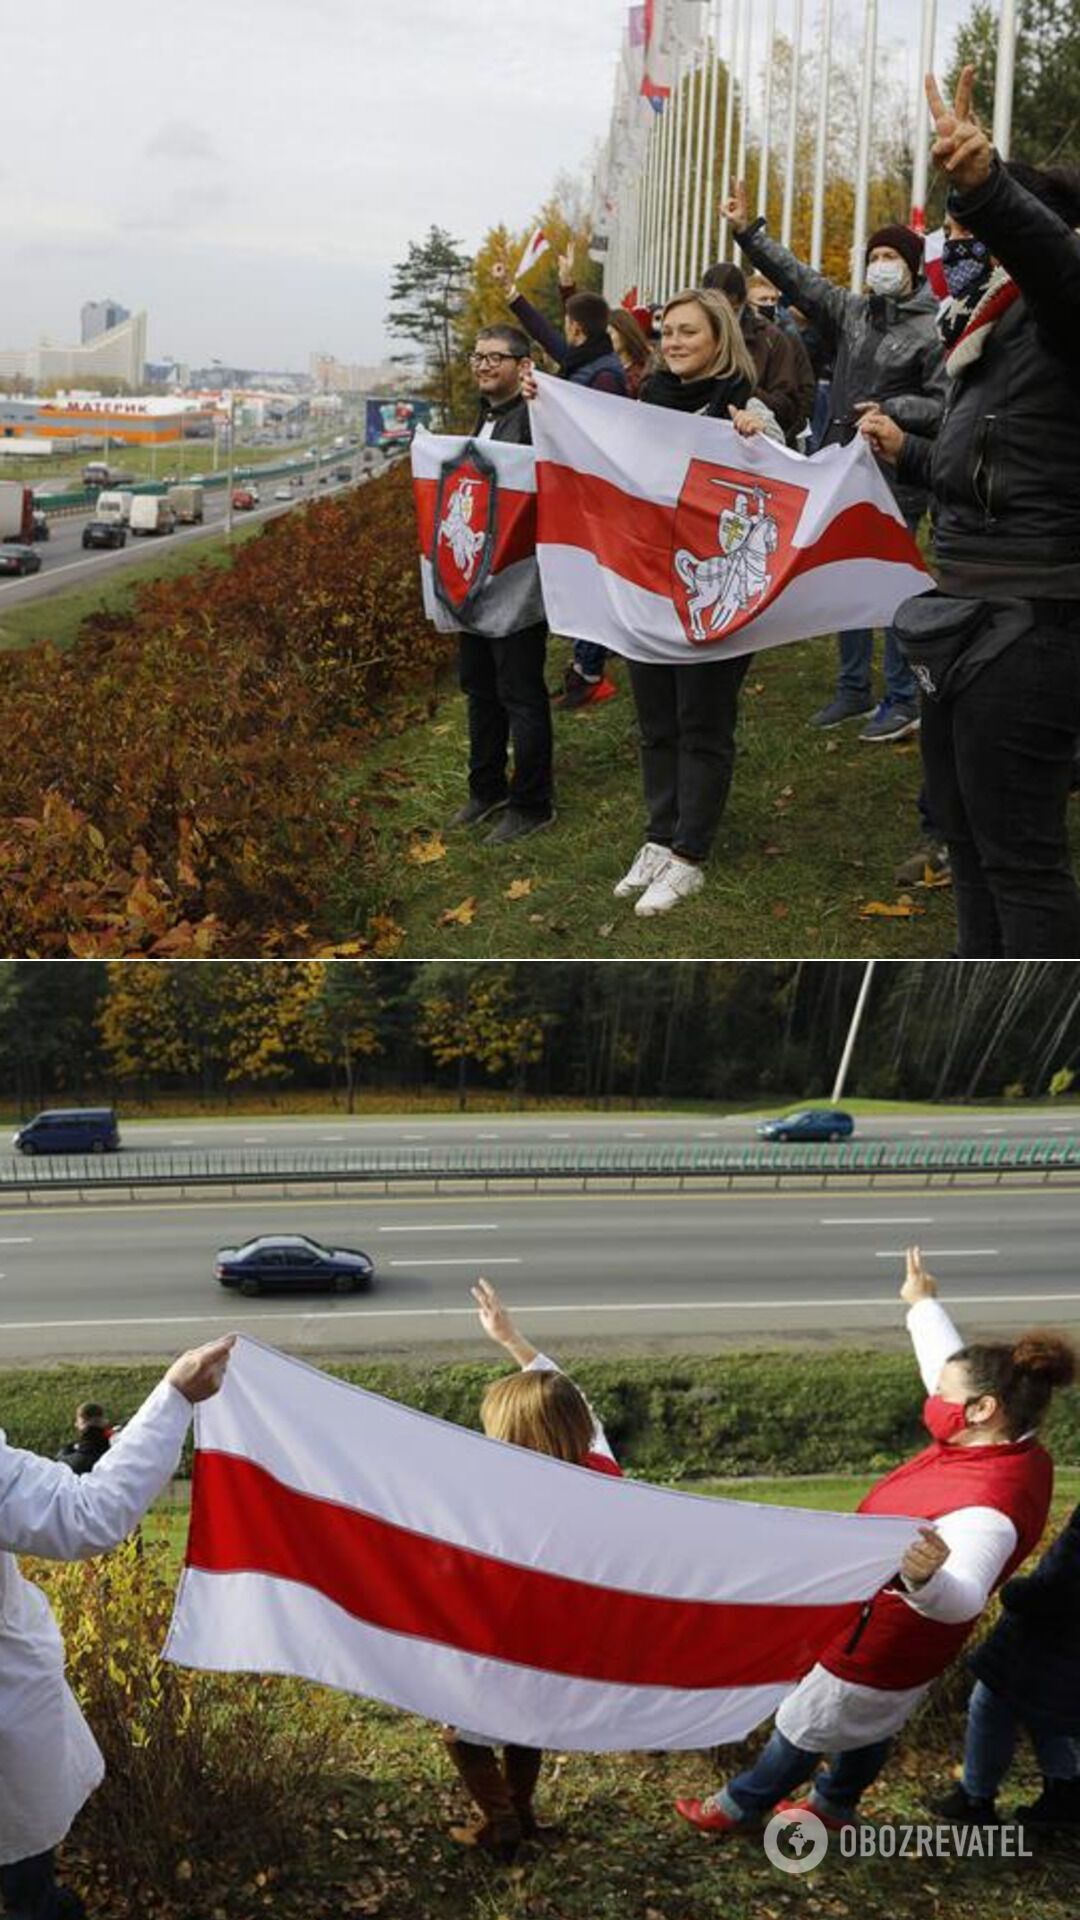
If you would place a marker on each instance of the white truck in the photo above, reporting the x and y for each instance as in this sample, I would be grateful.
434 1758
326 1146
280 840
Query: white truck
152 513
187 504
16 511
114 507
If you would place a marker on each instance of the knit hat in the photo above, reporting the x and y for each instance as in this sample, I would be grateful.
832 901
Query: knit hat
904 240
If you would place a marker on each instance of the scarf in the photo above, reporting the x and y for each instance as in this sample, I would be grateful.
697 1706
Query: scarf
714 395
596 347
966 322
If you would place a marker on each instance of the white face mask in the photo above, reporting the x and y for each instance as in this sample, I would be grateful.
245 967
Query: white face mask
887 276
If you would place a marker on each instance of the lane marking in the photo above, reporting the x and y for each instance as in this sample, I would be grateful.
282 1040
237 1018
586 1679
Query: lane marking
489 1136
505 1260
469 1313
458 1226
884 1220
18 1240
942 1253
327 1138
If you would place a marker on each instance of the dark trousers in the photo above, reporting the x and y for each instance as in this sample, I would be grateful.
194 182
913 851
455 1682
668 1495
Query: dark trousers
997 762
782 1766
29 1891
686 719
503 681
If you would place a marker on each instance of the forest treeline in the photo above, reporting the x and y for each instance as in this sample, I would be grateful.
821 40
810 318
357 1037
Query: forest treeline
588 1031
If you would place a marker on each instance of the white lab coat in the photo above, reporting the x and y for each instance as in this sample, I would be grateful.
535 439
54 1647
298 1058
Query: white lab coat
49 1760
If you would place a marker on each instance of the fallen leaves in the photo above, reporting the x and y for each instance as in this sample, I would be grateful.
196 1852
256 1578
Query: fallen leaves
424 848
462 915
518 889
902 909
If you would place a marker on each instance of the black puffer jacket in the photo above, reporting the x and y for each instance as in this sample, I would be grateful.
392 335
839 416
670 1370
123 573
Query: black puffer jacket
1032 1657
1005 467
83 1454
885 350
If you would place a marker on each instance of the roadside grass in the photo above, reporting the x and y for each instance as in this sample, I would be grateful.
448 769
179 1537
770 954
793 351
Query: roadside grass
58 617
815 825
63 470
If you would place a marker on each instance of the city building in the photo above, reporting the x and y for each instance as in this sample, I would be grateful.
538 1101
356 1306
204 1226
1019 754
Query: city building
336 376
155 419
101 316
118 354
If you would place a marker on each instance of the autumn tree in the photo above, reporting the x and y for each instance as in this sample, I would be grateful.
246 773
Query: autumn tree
426 297
342 1019
1046 96
472 1014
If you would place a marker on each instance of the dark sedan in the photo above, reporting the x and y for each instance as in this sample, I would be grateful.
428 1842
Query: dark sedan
19 560
291 1260
810 1123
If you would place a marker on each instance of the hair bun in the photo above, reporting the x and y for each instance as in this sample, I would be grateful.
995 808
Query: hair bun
1049 1355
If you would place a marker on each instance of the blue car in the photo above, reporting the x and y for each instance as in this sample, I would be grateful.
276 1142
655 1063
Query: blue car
283 1261
70 1130
810 1123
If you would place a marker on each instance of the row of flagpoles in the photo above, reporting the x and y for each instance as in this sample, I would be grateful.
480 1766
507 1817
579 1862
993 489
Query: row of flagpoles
680 129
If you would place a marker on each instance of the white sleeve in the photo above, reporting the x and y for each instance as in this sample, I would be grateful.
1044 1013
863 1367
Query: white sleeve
771 427
980 1541
934 1338
48 1510
541 1364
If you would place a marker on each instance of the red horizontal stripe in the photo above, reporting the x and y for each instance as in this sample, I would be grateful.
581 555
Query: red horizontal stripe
243 1520
635 537
515 531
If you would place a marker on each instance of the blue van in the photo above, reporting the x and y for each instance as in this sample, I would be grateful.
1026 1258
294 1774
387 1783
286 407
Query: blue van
70 1130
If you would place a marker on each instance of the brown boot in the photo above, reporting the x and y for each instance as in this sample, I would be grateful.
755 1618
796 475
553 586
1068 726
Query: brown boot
498 1830
522 1772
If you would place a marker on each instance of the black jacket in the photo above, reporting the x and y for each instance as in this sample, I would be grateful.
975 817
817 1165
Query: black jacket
511 422
83 1454
885 350
1032 1657
1005 467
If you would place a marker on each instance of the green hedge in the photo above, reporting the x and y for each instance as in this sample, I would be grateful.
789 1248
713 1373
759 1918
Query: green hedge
741 1413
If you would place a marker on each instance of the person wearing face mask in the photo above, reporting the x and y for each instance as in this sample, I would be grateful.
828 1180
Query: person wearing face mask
999 644
886 349
785 378
983 1488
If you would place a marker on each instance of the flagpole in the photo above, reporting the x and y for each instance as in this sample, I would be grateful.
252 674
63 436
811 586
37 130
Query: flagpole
686 89
729 117
710 181
921 162
788 214
665 204
701 189
862 169
1005 77
817 230
645 232
676 174
744 92
763 171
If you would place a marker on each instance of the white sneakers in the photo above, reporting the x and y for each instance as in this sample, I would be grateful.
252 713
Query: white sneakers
649 862
661 878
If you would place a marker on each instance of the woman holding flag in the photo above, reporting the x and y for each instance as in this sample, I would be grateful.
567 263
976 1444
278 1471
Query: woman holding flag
983 1486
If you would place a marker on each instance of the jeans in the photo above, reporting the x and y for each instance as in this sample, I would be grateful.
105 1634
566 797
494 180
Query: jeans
589 657
781 1767
993 1729
856 650
686 720
503 680
997 763
29 1891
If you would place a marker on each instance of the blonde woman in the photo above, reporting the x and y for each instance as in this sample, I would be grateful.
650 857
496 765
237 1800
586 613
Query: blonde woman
541 1409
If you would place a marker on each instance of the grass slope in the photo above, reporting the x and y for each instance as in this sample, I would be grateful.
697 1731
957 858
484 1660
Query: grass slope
814 828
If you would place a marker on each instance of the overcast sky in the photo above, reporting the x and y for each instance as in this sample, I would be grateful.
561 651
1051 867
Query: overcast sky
250 170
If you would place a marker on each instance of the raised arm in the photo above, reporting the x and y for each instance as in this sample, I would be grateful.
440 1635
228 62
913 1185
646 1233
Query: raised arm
48 1510
534 322
933 1335
499 1326
821 301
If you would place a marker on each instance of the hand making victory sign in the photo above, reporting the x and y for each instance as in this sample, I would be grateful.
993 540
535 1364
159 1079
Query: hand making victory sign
962 148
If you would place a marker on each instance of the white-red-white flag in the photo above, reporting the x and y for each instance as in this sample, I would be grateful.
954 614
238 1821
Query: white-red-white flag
665 536
340 1537
933 263
535 248
476 522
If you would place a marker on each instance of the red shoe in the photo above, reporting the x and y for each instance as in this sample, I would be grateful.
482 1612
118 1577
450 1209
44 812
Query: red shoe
600 690
827 1819
709 1819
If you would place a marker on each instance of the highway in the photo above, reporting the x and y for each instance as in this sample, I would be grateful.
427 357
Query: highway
614 1270
65 565
512 1130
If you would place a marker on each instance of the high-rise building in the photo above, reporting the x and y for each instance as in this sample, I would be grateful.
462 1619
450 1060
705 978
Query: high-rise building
100 316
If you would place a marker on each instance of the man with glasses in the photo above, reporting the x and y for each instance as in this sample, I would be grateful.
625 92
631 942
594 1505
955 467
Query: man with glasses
502 676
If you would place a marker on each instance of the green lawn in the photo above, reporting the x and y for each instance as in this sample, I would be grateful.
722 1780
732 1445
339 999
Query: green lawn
814 828
63 470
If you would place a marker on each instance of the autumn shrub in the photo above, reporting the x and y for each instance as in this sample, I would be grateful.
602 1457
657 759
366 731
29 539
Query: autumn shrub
208 1777
170 781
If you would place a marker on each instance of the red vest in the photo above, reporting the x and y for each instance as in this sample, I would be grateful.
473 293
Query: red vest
601 1463
894 1647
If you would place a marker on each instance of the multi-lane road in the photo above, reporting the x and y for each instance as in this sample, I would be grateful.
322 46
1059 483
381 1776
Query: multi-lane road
625 1269
65 564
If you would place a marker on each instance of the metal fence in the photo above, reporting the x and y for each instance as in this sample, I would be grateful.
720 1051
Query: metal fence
933 1162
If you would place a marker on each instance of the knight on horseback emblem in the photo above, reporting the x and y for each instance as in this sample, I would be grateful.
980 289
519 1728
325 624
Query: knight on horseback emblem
736 580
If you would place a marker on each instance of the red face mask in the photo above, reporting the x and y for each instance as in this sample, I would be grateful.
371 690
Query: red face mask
944 1419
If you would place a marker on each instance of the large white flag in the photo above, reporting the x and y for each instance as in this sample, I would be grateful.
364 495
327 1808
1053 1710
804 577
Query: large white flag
666 536
476 521
343 1538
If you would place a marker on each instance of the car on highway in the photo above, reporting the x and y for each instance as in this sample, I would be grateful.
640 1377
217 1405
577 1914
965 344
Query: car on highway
283 493
244 499
42 529
343 474
69 1130
809 1123
288 1260
19 560
104 533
